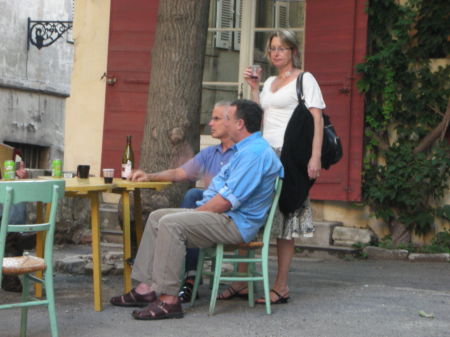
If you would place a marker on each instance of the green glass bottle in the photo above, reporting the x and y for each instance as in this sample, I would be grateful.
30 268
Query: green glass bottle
127 160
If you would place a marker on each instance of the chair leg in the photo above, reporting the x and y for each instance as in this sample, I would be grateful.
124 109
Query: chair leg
51 302
217 274
251 284
198 275
25 298
265 273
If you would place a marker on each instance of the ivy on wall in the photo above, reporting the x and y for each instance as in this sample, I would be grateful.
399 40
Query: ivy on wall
407 163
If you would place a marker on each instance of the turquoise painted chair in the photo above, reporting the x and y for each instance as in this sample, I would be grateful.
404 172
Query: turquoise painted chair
13 192
251 259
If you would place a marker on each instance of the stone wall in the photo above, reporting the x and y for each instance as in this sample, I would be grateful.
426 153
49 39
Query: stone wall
34 82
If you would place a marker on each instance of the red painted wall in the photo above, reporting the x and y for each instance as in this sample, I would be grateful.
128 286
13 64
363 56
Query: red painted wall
335 42
131 37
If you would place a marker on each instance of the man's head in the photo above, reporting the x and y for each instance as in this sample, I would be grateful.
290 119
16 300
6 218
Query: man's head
243 118
217 122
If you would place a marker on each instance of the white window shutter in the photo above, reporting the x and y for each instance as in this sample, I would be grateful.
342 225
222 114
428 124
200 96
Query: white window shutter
224 20
238 24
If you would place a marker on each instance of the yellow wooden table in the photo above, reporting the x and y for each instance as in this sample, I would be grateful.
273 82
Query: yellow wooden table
85 188
91 188
124 187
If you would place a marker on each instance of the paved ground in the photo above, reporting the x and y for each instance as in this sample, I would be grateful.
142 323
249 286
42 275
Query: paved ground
350 298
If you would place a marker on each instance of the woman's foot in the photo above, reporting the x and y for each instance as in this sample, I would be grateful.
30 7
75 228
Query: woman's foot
232 292
275 298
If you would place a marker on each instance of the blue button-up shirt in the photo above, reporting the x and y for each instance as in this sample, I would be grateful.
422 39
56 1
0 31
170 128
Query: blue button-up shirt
208 162
247 182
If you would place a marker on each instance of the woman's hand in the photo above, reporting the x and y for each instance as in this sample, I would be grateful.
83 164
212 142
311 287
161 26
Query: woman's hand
314 167
251 79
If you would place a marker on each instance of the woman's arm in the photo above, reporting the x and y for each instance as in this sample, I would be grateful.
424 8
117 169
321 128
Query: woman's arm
314 164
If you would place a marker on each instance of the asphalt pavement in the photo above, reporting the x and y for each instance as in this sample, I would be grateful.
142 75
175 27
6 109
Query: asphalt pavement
338 297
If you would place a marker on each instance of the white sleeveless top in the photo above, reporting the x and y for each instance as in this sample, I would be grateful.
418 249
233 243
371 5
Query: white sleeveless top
278 106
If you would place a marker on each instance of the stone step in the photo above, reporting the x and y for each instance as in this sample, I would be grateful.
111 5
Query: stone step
109 215
330 249
322 235
112 236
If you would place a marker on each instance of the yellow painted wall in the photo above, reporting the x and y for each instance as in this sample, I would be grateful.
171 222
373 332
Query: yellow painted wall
86 105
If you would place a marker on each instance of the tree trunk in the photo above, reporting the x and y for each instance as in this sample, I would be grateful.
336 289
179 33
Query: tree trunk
400 233
171 133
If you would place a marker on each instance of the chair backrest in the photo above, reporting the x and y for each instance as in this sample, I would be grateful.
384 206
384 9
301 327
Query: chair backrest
13 192
272 211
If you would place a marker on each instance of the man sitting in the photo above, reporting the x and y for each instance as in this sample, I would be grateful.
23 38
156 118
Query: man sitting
205 165
232 210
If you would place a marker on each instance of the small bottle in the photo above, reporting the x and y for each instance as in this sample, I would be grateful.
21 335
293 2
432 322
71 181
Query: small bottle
127 160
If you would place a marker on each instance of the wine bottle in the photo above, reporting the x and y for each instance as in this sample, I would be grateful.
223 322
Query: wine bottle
127 160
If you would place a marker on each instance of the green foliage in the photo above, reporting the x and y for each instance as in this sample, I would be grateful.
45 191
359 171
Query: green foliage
443 212
405 100
442 239
433 28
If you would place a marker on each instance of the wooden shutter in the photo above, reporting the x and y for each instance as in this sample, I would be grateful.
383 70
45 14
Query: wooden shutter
335 41
131 36
283 15
225 9
238 20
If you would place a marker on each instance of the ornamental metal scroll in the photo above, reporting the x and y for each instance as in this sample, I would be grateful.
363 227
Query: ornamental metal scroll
44 33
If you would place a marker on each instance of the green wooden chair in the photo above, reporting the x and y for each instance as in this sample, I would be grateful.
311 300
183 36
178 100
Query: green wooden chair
13 192
251 259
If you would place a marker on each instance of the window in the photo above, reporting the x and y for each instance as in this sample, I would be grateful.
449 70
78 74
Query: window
237 34
34 156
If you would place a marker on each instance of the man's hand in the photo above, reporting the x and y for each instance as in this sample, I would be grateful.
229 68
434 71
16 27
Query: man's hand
139 175
217 204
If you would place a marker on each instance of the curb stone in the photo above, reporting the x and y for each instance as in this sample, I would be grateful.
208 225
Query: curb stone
416 257
385 254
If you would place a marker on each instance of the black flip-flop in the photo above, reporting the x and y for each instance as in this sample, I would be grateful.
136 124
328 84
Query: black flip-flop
233 293
280 299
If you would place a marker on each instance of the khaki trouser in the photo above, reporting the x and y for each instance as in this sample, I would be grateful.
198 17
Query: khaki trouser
163 245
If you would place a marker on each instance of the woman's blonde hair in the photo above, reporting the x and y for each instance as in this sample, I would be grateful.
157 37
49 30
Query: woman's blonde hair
288 38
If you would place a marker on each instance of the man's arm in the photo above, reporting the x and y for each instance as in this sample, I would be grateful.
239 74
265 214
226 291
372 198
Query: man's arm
177 174
217 204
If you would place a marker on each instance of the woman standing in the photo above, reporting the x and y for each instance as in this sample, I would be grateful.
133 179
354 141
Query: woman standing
278 99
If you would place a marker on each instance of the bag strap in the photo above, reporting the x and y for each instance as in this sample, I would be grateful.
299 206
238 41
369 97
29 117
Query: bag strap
300 88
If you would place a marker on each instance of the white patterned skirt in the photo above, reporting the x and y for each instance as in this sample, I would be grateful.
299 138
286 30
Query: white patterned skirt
294 225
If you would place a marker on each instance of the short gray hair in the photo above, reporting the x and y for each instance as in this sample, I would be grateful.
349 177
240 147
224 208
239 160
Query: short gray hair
222 103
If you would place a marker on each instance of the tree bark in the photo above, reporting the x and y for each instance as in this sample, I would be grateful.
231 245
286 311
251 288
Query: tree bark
437 132
171 133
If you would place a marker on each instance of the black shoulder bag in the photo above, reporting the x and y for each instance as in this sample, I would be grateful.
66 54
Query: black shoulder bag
331 145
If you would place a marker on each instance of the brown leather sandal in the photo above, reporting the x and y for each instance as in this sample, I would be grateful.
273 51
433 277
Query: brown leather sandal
159 310
133 299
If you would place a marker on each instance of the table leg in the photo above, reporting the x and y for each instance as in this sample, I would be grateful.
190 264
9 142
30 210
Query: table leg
138 215
126 241
96 253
